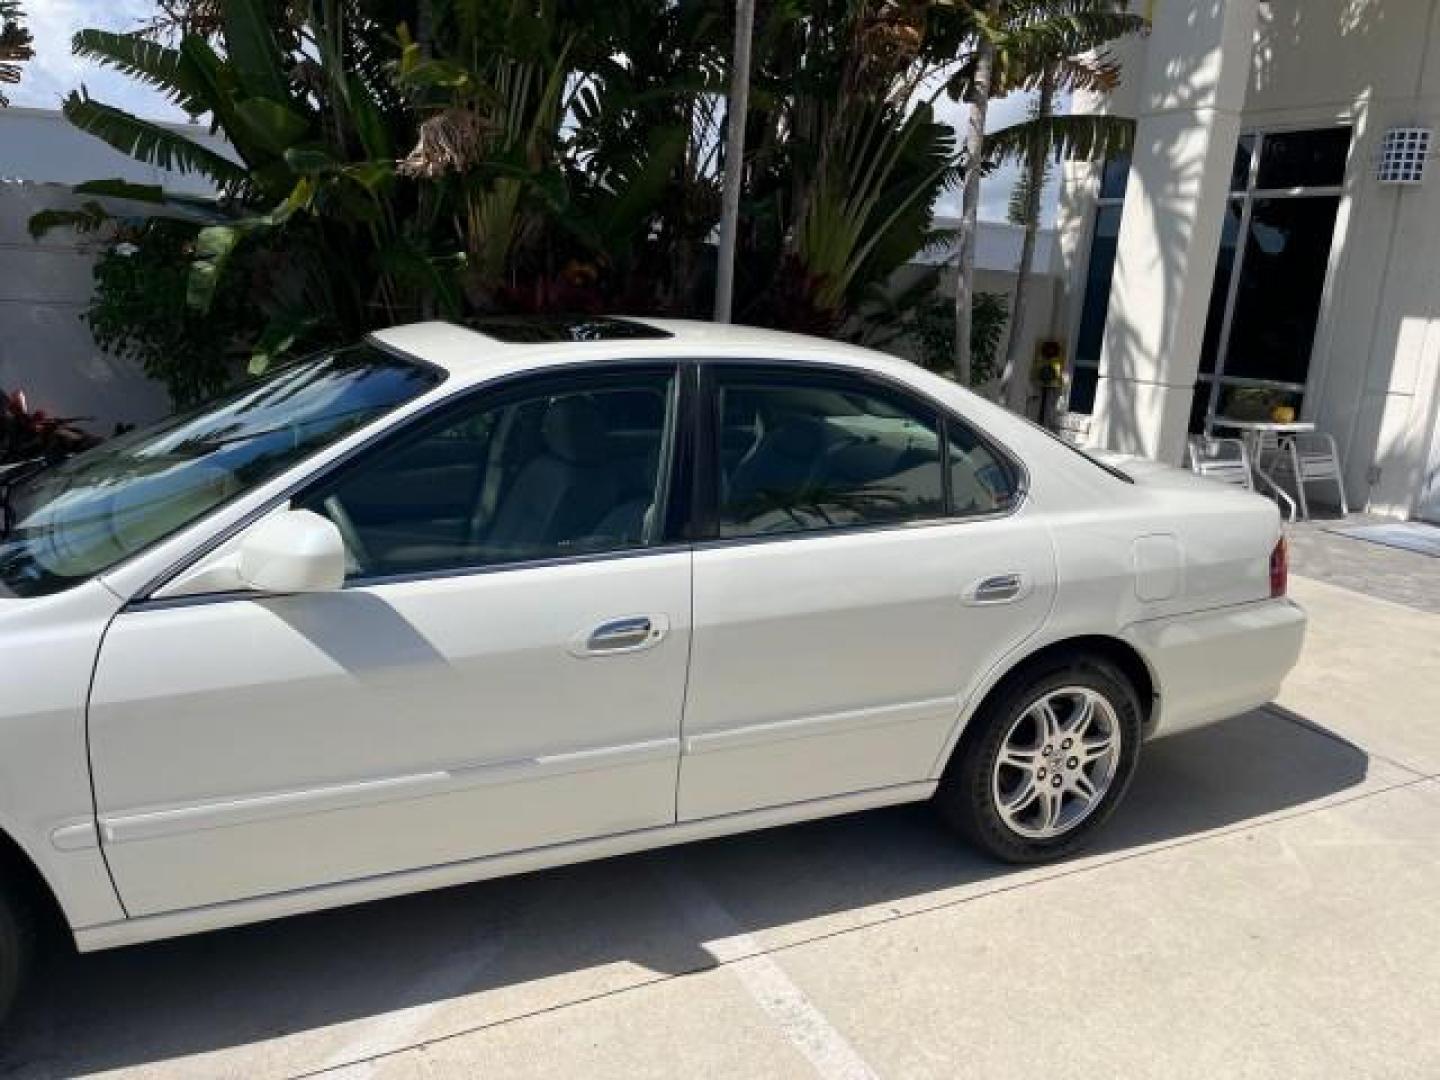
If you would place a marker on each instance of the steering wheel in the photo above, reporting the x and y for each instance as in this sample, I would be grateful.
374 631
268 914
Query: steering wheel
358 553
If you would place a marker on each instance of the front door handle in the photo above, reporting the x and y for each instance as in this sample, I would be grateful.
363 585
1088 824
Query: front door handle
626 635
997 589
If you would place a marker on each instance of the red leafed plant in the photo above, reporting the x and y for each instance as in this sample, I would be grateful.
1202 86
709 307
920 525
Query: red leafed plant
27 433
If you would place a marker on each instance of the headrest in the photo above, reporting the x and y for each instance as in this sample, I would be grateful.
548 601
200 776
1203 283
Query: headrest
574 430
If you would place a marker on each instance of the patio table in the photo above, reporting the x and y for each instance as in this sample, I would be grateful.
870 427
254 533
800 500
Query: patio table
1253 432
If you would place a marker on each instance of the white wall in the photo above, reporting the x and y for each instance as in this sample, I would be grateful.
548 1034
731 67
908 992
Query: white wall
1373 374
1375 369
45 347
40 145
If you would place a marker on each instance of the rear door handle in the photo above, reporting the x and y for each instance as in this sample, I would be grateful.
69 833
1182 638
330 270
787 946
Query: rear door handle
997 589
629 634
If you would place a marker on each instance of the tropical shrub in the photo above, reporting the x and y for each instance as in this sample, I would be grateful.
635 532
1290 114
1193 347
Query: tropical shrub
404 159
140 313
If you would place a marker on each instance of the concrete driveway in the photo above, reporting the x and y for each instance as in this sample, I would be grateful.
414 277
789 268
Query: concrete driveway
1266 903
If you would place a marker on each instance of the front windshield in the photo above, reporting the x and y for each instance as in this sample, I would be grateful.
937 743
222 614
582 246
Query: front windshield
87 514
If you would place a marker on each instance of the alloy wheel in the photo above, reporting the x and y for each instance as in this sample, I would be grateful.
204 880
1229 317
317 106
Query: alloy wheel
1056 762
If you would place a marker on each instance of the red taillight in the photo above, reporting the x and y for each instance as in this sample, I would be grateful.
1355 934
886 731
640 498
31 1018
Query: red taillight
1279 568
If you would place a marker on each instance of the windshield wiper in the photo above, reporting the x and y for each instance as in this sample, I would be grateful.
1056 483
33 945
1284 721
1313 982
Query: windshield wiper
10 475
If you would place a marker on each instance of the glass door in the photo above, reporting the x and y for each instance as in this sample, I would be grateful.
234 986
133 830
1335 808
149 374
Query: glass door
1270 275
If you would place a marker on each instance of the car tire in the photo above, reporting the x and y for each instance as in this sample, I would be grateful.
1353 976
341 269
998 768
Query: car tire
1032 780
17 942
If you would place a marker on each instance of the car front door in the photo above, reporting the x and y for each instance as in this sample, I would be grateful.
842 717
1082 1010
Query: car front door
867 561
504 669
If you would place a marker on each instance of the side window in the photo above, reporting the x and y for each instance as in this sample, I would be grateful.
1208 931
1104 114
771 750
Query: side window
800 454
980 481
573 468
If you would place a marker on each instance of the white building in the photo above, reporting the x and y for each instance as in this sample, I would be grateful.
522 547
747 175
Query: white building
46 349
1250 255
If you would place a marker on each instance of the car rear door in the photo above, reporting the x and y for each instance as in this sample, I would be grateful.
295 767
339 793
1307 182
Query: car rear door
866 560
504 669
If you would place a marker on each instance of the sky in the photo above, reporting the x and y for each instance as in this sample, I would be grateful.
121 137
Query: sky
55 72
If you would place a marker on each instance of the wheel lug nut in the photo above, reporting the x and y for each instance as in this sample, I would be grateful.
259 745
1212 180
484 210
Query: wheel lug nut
1066 744
1042 774
1055 782
1072 763
1049 750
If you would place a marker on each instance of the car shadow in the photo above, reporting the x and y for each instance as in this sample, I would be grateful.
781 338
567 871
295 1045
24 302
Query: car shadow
514 939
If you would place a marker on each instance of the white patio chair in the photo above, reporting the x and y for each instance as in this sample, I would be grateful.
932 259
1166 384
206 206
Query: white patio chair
1225 460
1310 458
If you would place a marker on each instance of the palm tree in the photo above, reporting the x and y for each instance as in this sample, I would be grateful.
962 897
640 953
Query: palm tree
1048 47
310 110
1063 51
15 44
979 99
734 158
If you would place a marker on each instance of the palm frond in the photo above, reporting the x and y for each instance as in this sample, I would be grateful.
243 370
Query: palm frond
1082 137
151 143
1067 38
253 52
145 61
16 44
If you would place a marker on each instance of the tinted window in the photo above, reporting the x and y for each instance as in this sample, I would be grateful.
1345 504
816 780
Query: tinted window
532 330
1240 169
1115 176
1282 280
1292 159
1220 287
980 482
576 468
89 513
800 454
1097 285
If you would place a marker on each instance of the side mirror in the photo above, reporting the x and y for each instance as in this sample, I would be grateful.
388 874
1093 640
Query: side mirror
296 551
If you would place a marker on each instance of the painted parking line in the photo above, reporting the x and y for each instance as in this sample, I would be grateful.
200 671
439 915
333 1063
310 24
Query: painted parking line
797 1018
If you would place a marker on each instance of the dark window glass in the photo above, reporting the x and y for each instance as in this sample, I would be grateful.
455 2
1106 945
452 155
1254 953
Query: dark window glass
1097 286
1281 281
568 470
1114 176
1199 405
1220 290
800 455
533 330
980 482
1240 171
1083 383
1293 159
95 510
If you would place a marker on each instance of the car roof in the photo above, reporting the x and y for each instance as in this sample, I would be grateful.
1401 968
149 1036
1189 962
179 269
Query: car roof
469 353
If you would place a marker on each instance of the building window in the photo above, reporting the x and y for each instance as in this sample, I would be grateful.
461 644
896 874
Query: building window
1085 371
1270 274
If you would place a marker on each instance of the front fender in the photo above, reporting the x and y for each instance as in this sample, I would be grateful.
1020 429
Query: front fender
48 647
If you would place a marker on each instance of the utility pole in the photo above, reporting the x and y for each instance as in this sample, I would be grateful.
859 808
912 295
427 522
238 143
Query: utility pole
735 114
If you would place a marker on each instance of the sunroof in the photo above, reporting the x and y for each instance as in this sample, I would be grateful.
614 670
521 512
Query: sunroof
546 329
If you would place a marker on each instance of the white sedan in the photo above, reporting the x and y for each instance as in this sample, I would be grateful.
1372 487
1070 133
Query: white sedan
456 603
